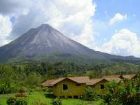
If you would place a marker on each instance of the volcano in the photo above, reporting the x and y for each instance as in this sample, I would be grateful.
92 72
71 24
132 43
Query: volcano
47 43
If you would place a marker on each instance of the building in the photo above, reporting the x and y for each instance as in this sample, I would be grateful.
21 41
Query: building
69 87
129 76
115 78
98 85
74 87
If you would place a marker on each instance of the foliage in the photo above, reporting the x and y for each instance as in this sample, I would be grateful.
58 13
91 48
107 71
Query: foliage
38 103
11 101
124 93
15 101
38 98
22 92
49 93
90 95
21 102
56 101
7 88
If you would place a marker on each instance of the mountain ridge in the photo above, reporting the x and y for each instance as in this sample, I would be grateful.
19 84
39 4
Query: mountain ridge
45 41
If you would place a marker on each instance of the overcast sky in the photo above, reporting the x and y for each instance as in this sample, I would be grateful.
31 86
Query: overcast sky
110 26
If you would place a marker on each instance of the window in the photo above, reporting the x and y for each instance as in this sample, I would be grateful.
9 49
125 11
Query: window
65 87
78 84
69 96
62 96
76 97
102 86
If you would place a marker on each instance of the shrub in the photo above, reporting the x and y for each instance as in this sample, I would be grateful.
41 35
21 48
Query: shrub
21 95
11 101
89 95
21 102
15 101
56 102
7 88
102 102
38 103
22 92
49 93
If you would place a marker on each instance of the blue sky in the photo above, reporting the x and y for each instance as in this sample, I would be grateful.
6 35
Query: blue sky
110 26
105 10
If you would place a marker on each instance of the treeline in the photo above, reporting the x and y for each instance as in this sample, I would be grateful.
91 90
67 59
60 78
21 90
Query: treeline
30 75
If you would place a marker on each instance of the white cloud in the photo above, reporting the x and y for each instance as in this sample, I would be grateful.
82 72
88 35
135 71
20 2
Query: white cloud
117 18
5 29
69 16
87 36
72 17
124 42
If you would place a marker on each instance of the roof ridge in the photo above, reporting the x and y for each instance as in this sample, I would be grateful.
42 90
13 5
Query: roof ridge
87 79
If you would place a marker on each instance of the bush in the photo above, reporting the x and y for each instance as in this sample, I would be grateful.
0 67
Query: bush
49 93
11 101
90 95
56 102
14 101
102 102
21 102
38 103
7 88
21 95
22 92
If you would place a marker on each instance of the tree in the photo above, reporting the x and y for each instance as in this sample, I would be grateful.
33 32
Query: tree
90 94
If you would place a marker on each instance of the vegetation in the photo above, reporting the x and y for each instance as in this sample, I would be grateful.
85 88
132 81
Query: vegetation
126 92
16 101
90 94
11 101
30 75
38 98
56 101
19 81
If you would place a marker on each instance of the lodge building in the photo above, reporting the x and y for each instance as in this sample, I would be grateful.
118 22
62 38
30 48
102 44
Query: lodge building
74 87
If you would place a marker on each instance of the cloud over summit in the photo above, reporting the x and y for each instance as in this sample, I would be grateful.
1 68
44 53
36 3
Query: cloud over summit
68 16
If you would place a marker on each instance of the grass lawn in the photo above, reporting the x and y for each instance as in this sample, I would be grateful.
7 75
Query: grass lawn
38 97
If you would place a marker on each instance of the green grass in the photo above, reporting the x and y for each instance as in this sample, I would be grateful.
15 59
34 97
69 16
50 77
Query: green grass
3 98
38 97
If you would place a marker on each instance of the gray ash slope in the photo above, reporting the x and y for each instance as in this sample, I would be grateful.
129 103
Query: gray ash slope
45 42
